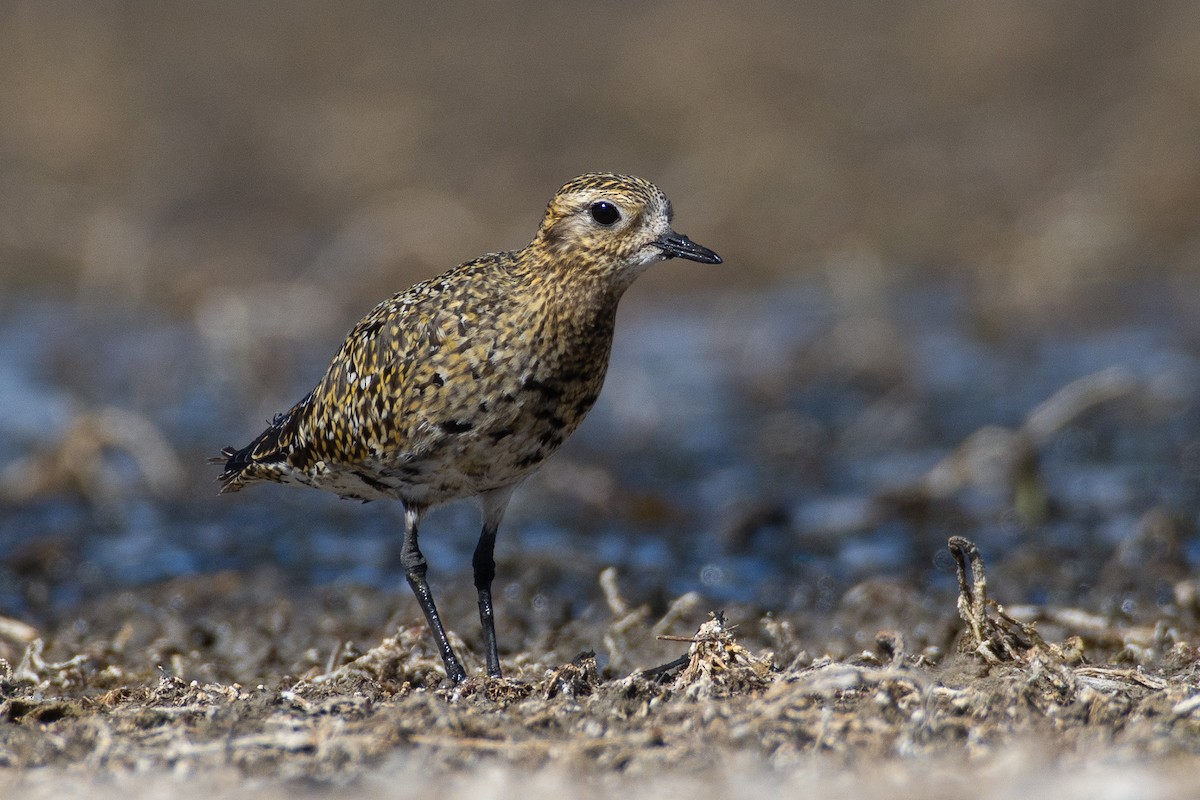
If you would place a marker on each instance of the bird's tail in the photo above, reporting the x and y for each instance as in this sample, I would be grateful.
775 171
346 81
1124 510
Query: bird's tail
263 458
240 464
236 462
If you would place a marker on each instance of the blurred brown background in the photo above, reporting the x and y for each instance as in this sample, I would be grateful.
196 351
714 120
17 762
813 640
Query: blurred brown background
204 157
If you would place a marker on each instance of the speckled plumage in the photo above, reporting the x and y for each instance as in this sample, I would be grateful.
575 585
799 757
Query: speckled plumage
463 384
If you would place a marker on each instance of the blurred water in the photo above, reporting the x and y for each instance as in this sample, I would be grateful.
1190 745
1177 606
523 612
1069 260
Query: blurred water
771 448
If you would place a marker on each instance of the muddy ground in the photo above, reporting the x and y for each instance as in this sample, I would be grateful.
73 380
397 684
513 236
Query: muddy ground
212 683
157 639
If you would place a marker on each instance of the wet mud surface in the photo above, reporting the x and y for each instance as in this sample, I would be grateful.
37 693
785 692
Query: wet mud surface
172 691
762 463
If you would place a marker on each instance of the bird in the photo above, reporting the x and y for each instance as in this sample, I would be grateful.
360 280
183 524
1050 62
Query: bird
462 385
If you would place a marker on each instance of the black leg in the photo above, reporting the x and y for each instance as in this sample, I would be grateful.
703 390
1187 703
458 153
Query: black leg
414 569
484 565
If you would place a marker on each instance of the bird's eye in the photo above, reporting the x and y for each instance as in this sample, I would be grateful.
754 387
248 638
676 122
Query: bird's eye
605 212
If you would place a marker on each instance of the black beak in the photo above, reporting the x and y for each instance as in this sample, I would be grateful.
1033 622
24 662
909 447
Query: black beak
676 244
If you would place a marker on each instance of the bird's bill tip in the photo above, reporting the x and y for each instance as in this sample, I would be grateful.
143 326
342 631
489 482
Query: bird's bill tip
676 245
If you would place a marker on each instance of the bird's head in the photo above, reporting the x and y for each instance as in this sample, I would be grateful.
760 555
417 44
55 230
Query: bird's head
615 224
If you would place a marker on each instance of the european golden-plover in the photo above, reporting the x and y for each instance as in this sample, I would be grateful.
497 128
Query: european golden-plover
462 385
